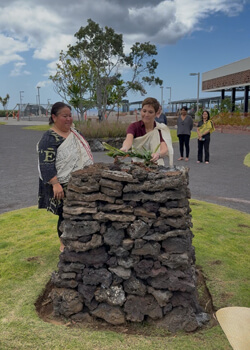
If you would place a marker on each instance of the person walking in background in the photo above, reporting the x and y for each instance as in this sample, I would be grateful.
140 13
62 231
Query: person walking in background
160 117
61 151
205 127
184 128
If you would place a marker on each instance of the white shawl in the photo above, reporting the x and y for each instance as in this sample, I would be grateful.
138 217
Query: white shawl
73 154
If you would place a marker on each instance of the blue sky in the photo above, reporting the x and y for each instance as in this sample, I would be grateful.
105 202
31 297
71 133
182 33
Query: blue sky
191 36
202 51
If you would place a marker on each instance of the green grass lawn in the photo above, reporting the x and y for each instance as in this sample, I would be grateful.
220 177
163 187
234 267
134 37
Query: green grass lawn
247 160
29 253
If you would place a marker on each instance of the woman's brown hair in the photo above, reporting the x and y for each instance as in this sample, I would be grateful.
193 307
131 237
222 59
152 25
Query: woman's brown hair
153 102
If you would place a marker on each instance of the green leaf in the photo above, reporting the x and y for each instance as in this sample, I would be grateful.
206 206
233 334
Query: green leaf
146 155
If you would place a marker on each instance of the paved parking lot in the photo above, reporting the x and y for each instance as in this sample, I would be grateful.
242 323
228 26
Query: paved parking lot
225 181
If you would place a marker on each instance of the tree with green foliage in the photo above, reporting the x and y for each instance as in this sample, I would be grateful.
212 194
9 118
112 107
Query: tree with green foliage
89 74
226 105
73 81
4 101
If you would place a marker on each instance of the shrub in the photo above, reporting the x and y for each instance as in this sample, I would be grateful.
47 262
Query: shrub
233 119
94 130
3 113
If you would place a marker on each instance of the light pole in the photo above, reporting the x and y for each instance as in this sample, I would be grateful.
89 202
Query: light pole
48 108
198 88
169 87
20 106
161 95
38 94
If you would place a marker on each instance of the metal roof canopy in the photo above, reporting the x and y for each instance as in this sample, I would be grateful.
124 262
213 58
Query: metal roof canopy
202 100
205 102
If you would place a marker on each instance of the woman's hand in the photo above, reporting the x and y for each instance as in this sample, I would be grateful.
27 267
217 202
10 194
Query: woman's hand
58 191
199 135
155 157
124 149
127 143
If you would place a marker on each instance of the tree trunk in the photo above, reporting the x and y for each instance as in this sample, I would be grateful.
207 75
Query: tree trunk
99 102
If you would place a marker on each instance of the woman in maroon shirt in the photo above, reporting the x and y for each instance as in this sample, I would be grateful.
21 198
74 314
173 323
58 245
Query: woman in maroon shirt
146 125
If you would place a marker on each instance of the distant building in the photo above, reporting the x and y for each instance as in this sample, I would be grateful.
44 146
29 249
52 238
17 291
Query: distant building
232 77
33 109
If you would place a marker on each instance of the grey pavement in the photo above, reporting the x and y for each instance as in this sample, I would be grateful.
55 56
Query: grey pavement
225 181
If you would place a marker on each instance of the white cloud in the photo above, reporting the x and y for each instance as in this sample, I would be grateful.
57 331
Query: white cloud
45 28
18 69
169 21
53 46
10 49
43 83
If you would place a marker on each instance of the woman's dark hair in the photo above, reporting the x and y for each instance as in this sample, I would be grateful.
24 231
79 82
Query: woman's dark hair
55 109
208 115
153 102
184 107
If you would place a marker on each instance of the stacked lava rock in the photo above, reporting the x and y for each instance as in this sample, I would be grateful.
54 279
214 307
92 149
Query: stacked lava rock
129 254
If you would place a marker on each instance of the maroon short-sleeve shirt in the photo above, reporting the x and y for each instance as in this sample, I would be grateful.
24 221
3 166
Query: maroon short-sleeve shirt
137 129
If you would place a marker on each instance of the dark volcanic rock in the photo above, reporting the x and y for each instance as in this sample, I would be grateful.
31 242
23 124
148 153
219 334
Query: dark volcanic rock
128 248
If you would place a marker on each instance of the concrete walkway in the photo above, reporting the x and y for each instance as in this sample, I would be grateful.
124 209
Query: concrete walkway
225 181
26 121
